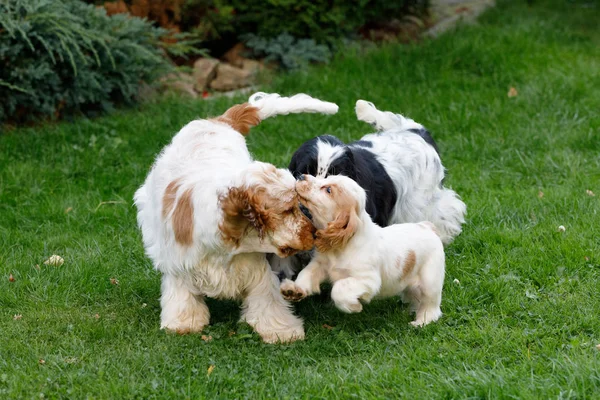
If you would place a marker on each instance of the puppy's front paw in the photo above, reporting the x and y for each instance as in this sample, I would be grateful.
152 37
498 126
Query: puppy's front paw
290 291
349 307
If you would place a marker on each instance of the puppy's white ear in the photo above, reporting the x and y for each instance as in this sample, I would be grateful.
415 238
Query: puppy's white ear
338 232
272 104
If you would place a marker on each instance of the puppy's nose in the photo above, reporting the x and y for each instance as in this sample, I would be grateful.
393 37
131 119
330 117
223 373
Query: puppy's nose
302 177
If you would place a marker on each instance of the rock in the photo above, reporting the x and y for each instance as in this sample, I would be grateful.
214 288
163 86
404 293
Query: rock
230 77
181 83
234 55
205 70
252 66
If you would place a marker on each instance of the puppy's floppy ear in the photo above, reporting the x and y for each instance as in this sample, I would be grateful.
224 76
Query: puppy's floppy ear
239 213
338 232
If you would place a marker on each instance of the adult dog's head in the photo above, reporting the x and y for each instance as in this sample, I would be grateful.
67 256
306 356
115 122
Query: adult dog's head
336 205
266 207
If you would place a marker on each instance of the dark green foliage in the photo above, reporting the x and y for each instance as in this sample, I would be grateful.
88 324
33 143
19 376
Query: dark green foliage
62 57
322 20
325 21
287 51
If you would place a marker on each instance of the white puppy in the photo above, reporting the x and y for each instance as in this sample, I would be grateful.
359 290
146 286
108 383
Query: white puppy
208 214
364 260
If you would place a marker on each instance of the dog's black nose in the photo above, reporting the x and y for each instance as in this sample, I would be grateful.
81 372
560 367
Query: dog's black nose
305 211
301 178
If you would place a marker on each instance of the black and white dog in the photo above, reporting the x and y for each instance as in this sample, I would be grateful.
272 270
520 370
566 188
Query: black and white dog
398 166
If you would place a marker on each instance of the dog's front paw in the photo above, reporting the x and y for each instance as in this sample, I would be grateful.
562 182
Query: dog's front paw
349 307
283 336
290 291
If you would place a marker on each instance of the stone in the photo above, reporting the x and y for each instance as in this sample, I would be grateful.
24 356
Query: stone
252 66
205 70
181 83
234 55
230 77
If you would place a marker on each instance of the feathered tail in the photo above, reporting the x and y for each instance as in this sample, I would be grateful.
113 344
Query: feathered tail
272 104
261 106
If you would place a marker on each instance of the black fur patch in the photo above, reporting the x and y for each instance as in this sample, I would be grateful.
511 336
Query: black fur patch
424 133
357 163
304 160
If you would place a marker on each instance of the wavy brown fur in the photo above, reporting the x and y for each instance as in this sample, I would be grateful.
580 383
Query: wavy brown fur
241 117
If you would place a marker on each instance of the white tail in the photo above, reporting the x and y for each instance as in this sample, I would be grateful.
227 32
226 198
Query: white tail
382 120
272 104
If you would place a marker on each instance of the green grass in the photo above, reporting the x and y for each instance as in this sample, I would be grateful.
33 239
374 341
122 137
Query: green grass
523 322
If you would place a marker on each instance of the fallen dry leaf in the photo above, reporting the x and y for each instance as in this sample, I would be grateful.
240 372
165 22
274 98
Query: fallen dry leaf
37 266
590 193
68 210
586 258
231 333
17 317
97 316
561 228
11 278
42 361
210 370
71 360
540 194
598 346
144 305
114 281
55 261
512 92
328 327
206 338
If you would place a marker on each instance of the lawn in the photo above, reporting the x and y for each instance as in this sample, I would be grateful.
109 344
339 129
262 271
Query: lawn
521 304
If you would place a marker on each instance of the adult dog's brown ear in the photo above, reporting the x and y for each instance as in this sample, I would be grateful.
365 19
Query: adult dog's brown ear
338 232
239 214
241 117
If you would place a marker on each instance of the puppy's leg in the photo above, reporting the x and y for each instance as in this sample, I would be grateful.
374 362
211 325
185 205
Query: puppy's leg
307 283
381 120
426 295
266 311
347 293
182 311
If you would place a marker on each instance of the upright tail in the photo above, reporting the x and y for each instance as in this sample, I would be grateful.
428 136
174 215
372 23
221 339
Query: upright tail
383 120
261 106
272 104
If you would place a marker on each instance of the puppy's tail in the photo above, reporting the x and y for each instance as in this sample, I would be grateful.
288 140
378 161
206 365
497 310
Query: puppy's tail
261 106
382 120
272 104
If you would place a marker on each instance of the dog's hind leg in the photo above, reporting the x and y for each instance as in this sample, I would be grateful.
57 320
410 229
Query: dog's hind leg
427 297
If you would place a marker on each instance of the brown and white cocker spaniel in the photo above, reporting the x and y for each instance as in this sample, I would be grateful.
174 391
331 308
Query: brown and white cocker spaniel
208 214
364 260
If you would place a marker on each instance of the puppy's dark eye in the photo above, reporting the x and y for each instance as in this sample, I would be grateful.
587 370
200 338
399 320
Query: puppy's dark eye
327 189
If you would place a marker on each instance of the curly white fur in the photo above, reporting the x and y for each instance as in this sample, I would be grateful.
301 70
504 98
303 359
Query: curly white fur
272 104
